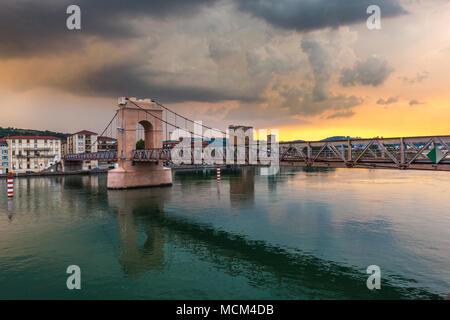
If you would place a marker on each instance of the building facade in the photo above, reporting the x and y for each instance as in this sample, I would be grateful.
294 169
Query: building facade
83 142
32 153
4 157
63 148
106 144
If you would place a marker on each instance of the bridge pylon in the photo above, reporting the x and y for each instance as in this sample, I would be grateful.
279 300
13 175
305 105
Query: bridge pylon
131 174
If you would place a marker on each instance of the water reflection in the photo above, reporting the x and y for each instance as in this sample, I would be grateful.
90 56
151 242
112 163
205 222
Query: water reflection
10 209
141 243
242 187
291 273
89 182
287 243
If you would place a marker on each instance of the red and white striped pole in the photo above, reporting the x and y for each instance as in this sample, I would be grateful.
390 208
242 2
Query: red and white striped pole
218 172
10 185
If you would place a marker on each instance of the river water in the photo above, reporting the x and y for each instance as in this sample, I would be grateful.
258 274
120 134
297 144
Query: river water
303 234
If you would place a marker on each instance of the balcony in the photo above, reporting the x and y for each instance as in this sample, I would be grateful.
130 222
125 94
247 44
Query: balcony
37 148
34 156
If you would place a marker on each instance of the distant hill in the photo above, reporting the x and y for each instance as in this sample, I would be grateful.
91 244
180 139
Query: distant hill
331 138
339 138
5 132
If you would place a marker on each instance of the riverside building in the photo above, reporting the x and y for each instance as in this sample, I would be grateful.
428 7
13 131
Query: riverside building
28 154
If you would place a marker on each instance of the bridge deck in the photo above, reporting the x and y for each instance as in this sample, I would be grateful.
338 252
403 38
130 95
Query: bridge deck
399 153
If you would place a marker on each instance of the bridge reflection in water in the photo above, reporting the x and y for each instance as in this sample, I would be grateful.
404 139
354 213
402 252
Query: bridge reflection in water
191 241
136 257
291 273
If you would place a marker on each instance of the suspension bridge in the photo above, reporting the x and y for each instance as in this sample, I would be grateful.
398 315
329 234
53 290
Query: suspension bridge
155 123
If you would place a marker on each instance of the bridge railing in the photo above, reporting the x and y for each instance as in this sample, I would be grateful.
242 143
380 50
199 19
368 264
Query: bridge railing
151 155
101 156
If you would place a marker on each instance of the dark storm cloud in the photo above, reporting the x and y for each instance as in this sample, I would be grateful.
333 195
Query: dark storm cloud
129 79
306 15
370 72
28 27
37 27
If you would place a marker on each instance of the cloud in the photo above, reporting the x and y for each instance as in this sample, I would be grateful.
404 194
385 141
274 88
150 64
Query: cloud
415 102
343 114
29 27
307 15
390 100
419 77
131 79
371 72
204 60
319 60
308 106
191 50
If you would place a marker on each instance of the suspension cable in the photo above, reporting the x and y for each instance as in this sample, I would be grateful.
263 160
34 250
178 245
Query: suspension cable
176 126
96 140
186 119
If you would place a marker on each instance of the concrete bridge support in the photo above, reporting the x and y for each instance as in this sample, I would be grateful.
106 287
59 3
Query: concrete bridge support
131 174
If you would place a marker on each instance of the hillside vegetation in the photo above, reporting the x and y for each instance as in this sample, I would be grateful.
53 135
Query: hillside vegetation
5 132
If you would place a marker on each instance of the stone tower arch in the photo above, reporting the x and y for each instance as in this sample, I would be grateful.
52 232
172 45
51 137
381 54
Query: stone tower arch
130 174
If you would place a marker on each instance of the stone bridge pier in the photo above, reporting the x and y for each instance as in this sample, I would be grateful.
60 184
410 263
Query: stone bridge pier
131 174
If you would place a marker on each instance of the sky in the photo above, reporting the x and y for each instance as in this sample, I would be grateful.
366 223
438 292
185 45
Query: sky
309 68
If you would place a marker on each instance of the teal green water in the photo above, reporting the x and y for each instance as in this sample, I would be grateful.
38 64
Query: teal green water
303 234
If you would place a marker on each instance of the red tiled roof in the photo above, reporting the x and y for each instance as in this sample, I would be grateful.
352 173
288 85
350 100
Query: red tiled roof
34 137
106 138
86 132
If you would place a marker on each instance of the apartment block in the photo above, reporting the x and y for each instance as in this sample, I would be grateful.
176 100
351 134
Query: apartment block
63 148
4 163
83 142
32 153
106 144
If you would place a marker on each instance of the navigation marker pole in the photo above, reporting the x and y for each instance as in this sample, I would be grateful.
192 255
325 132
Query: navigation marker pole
10 185
218 172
